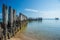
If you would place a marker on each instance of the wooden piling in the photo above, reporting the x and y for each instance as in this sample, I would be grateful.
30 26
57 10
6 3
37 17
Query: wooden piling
5 20
10 20
14 21
11 23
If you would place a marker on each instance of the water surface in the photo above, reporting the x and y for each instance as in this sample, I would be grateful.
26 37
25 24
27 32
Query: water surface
43 30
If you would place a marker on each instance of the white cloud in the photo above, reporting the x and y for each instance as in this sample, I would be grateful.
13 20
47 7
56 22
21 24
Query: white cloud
31 10
50 14
45 14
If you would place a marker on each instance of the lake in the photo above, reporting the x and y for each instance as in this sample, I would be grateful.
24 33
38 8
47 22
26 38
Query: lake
43 30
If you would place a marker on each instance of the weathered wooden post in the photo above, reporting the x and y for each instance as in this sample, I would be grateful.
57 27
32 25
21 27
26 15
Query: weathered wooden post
5 20
14 21
1 33
17 23
10 20
20 19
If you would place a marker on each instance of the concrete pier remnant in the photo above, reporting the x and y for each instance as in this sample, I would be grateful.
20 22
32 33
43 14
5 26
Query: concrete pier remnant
5 20
10 21
22 17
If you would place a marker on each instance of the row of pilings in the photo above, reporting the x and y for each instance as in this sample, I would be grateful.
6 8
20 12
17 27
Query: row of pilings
11 23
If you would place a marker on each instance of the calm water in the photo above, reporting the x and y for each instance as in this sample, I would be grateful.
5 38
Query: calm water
43 30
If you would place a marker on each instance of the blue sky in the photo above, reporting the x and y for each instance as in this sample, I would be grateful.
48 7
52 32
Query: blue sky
34 8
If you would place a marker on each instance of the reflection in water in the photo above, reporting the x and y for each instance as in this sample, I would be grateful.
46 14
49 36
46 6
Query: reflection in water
35 21
43 30
40 21
23 26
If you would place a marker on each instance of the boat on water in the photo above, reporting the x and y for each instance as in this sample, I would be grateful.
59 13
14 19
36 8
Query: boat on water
56 18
